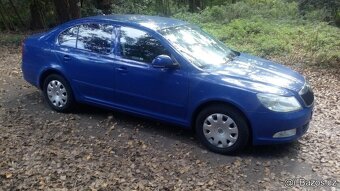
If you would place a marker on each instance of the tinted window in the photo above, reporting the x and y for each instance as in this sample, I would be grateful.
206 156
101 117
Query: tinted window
95 38
139 45
68 37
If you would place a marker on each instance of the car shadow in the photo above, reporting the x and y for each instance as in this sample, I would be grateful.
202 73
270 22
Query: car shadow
131 121
187 136
168 132
272 151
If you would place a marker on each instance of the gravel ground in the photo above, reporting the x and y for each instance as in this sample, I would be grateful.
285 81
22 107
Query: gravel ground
97 149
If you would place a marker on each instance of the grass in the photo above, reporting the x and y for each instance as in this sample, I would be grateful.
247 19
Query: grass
271 28
319 44
11 39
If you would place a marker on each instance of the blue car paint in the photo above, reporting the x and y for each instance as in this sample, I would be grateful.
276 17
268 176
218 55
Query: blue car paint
173 95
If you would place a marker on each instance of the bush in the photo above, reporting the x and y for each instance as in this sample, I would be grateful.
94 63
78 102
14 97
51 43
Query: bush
11 39
254 36
271 33
272 28
271 9
327 10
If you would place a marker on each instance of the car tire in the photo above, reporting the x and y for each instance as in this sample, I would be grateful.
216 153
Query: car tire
222 129
58 93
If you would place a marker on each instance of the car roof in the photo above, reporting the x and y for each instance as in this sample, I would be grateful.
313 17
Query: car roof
151 22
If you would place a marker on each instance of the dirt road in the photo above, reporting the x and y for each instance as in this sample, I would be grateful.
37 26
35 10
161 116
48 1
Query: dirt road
98 149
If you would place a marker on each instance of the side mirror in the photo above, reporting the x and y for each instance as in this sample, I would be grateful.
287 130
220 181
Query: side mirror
163 61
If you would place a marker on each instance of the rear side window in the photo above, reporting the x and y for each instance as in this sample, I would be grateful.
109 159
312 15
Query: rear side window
139 45
68 37
95 38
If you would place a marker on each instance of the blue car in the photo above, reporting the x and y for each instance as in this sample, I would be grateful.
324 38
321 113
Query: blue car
172 71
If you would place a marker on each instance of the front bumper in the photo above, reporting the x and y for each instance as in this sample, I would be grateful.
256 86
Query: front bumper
265 125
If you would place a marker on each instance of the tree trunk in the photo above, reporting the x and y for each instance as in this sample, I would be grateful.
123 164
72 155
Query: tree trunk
192 6
17 14
104 5
4 14
62 10
167 5
74 8
195 5
302 6
37 17
158 6
3 19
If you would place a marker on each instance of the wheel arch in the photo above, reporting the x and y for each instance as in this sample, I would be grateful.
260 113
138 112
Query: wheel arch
221 102
48 72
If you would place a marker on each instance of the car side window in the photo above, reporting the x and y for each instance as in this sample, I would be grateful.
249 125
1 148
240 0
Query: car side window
139 45
96 38
68 37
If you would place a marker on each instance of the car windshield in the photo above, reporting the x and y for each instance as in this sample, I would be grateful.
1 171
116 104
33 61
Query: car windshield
198 47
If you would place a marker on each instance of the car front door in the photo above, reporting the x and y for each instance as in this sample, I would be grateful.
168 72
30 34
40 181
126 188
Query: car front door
143 88
89 60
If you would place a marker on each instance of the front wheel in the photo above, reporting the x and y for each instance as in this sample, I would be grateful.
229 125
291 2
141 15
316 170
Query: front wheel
222 129
58 93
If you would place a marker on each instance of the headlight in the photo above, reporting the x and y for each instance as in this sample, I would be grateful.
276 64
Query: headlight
279 103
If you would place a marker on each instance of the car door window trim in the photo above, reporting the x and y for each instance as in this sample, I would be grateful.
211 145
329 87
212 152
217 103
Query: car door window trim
118 50
113 39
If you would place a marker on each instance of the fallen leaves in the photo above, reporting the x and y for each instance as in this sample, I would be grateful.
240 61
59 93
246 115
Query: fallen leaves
8 175
96 150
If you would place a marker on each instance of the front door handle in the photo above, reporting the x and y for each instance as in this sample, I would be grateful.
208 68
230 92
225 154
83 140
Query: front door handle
67 57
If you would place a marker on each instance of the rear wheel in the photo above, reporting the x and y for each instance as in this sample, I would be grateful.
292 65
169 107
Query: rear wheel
58 93
222 129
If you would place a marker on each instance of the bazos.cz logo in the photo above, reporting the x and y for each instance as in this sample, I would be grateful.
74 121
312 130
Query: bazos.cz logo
302 182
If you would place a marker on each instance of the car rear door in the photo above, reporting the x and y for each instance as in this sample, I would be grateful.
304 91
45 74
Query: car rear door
90 62
143 88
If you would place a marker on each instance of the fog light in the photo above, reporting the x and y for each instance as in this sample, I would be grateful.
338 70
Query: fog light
287 133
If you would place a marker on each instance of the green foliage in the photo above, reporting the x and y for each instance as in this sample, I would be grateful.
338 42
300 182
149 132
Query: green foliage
254 36
271 38
90 10
264 28
328 10
271 9
11 39
271 28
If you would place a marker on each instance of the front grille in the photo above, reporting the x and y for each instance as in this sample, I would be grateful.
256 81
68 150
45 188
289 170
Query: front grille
308 97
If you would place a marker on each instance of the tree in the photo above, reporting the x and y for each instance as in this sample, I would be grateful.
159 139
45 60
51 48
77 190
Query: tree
104 5
75 8
67 9
37 16
331 8
6 18
163 7
16 13
195 5
61 7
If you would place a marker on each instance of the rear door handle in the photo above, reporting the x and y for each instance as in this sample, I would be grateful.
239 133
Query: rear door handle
122 69
67 57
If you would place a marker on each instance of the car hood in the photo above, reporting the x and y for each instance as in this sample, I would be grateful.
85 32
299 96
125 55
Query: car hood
260 75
